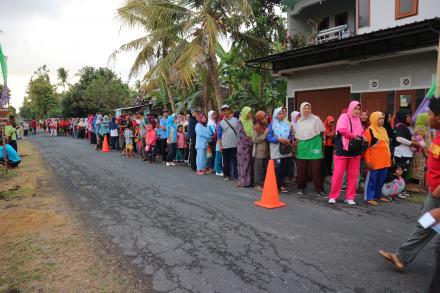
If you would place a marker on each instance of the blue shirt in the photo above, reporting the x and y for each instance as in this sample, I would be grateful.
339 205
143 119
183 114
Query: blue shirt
164 132
11 154
203 134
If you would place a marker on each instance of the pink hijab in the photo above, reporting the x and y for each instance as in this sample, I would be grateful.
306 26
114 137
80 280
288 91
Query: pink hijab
344 123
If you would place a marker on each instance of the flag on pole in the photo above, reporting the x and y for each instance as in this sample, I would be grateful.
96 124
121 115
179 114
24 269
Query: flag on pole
424 105
4 98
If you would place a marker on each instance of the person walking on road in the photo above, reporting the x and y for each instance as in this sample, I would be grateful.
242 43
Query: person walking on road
421 236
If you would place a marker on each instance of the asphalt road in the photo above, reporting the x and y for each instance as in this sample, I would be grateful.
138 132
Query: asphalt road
187 233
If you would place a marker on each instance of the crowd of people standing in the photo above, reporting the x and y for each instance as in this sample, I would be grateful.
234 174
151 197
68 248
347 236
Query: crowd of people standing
358 153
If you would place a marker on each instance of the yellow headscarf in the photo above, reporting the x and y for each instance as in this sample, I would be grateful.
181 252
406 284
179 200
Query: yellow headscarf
379 132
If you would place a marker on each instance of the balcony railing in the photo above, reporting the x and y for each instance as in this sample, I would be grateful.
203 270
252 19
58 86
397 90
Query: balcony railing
334 33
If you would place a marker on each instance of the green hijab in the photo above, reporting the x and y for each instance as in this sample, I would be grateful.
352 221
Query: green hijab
422 123
248 124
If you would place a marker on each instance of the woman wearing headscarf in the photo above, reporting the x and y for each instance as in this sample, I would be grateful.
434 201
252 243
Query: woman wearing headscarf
245 132
346 160
377 159
403 142
280 133
294 116
218 154
212 141
114 134
260 150
103 131
203 134
329 146
424 137
171 130
365 119
308 136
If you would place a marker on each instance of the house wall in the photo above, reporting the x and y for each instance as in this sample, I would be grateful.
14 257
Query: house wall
297 22
419 67
383 14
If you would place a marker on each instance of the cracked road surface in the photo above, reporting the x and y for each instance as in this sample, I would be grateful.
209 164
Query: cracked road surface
186 233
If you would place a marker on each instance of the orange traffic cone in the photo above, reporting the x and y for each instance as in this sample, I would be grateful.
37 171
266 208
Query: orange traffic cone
105 147
270 198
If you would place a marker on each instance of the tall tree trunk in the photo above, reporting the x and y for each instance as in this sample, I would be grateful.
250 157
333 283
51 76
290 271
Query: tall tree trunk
170 96
213 70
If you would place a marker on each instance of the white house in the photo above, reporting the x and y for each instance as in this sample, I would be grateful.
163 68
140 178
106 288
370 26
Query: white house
380 52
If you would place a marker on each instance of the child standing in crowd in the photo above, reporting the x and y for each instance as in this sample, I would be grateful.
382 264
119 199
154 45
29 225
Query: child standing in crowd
181 145
395 185
150 143
377 159
203 135
171 130
128 136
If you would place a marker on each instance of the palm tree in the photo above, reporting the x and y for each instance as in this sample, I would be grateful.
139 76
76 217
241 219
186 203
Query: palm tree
191 29
63 75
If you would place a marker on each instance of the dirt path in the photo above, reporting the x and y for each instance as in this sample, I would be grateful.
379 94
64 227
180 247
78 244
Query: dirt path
42 245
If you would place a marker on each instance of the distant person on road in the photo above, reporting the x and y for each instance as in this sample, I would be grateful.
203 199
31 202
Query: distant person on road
34 126
245 132
227 137
12 157
308 139
25 128
377 159
280 138
346 160
421 235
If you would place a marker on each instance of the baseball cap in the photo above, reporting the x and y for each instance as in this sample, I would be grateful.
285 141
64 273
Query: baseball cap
225 106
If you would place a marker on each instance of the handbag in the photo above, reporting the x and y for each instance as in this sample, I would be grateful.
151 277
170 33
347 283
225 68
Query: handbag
285 149
356 145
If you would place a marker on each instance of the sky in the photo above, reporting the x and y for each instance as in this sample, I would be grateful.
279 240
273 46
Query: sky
61 33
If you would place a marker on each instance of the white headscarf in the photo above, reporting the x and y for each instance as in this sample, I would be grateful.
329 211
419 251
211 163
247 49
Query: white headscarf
308 127
211 121
293 116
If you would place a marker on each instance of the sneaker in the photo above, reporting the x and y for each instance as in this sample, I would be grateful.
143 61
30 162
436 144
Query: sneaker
173 164
168 164
350 202
283 189
332 201
219 173
401 196
300 192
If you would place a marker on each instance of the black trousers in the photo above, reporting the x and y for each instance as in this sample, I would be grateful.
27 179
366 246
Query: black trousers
328 159
172 149
13 144
114 142
192 154
26 132
163 149
229 160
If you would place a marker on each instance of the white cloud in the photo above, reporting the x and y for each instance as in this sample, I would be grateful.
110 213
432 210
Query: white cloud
69 34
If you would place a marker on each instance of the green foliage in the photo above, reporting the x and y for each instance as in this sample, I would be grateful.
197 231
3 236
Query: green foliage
98 90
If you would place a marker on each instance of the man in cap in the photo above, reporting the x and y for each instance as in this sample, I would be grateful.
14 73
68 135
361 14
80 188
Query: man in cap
227 137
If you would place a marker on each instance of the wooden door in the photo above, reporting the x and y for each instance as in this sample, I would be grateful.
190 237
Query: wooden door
325 102
373 102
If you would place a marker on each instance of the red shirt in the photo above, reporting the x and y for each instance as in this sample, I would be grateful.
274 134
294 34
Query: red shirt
433 176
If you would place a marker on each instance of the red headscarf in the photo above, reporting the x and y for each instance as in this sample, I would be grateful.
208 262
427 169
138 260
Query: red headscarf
260 124
329 129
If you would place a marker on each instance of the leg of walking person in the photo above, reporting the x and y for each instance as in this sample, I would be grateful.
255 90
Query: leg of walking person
163 149
317 175
420 236
435 283
199 160
301 177
339 168
353 167
233 165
